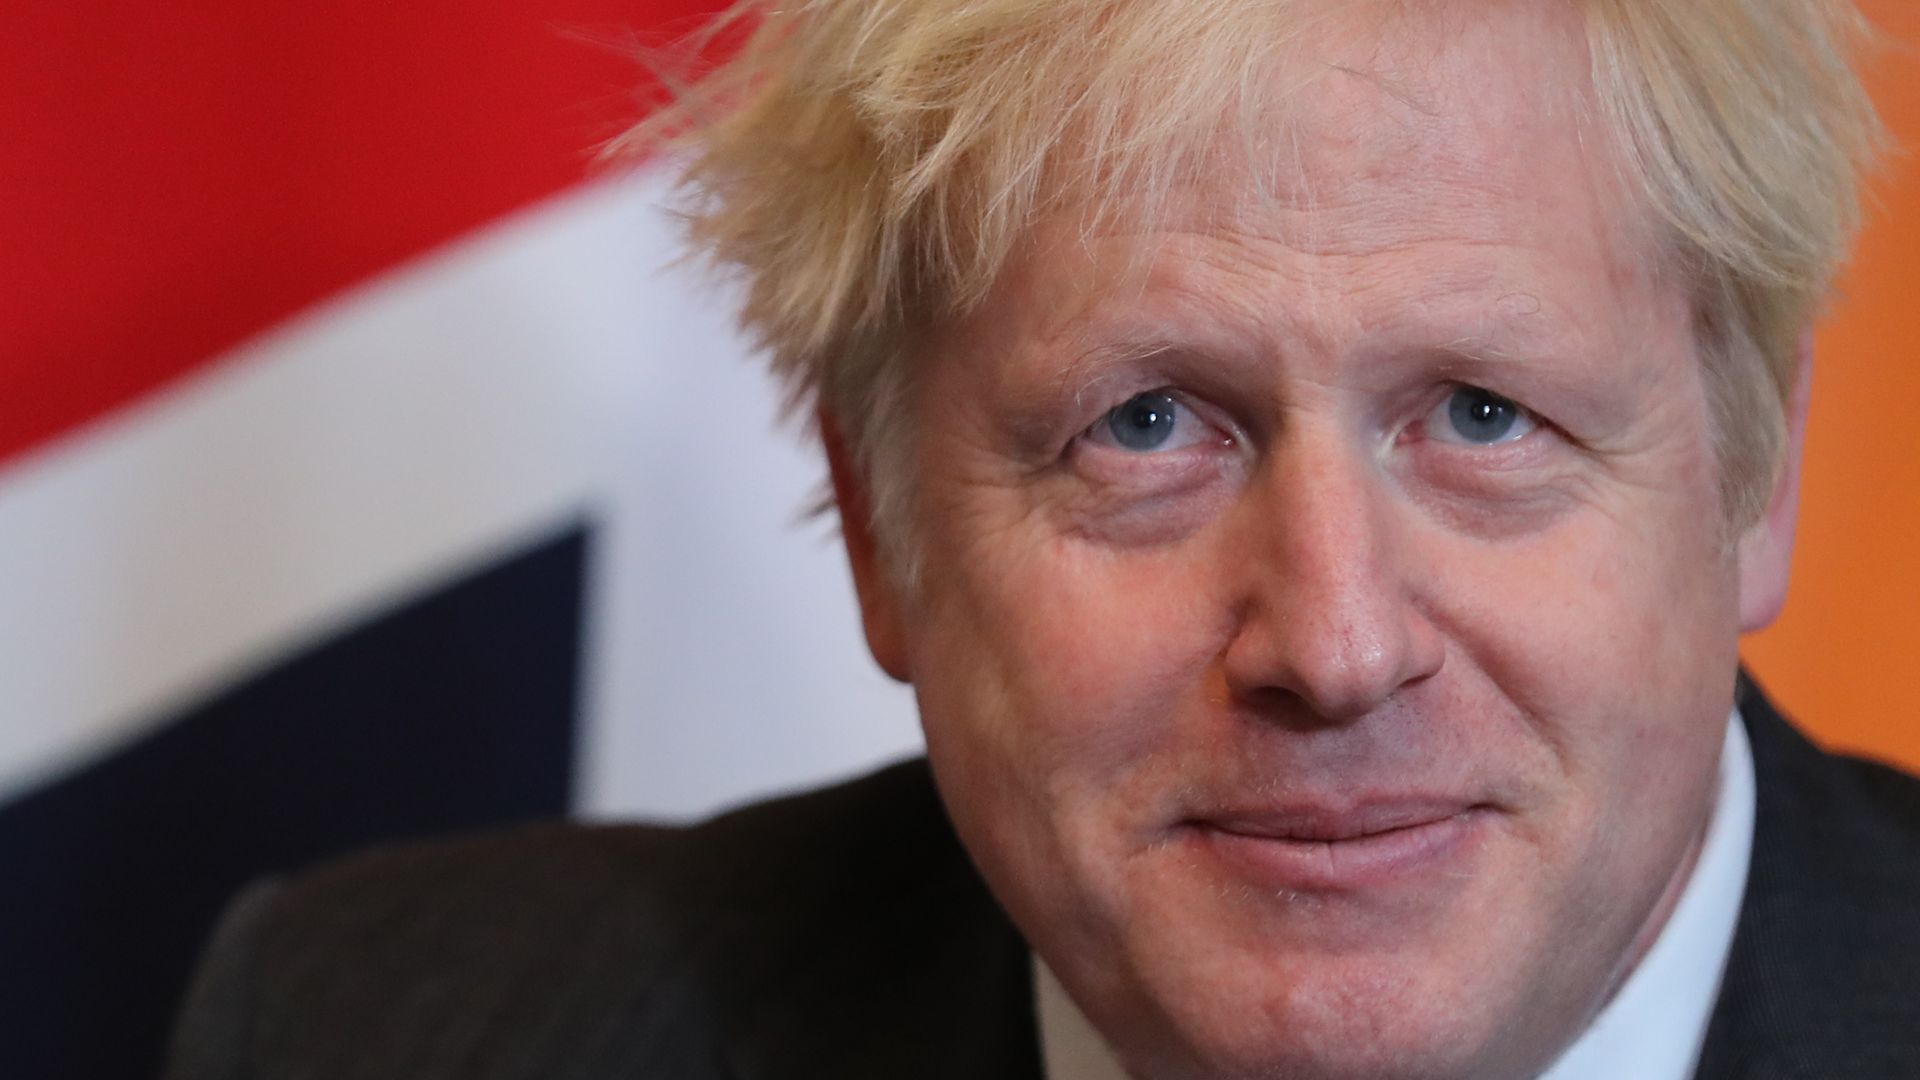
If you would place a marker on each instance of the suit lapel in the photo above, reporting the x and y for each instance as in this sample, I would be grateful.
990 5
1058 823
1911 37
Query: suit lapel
1822 978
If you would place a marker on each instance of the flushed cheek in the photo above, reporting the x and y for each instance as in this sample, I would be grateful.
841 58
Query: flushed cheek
1599 597
1605 643
1097 649
1054 689
1614 648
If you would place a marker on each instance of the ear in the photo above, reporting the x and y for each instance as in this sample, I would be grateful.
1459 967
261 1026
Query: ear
880 609
1766 548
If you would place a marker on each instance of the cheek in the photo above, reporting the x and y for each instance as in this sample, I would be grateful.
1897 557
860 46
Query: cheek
1054 684
1066 663
1613 637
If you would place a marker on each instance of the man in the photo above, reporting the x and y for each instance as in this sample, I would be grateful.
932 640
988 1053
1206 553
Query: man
1313 462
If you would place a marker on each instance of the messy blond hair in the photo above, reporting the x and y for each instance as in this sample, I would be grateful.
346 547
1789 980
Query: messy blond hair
869 166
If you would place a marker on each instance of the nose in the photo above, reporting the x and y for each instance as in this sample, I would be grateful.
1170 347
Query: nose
1328 627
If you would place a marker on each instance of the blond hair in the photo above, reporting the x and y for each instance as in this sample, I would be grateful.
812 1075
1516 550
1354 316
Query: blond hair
870 165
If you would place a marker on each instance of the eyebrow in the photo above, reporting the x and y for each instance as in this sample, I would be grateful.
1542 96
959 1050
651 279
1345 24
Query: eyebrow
1091 365
1510 327
1073 367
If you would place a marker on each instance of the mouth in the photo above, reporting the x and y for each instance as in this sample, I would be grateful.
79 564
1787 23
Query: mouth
1316 850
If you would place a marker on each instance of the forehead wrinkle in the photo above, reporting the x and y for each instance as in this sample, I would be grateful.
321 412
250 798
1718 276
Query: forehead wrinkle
1309 300
1232 292
1215 298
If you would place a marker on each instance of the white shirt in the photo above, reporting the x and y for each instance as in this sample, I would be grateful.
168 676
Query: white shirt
1651 1030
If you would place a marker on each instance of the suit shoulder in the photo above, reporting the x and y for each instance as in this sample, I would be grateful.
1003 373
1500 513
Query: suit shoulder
1892 794
1859 815
613 944
537 874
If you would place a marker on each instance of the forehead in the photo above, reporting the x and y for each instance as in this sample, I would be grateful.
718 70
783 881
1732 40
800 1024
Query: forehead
1432 92
1436 162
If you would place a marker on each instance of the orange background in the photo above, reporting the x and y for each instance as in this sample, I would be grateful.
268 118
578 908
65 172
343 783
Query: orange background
1844 658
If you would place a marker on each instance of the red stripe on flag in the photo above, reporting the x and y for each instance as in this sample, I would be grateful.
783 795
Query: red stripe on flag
177 177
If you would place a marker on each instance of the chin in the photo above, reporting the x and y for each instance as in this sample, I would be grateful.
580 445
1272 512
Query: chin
1370 1020
1260 986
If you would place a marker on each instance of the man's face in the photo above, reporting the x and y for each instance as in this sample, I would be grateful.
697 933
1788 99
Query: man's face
1327 626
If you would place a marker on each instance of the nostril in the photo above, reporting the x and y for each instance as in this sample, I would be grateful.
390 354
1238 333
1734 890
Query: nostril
1317 672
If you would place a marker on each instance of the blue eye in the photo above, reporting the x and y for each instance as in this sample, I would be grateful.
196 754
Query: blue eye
1483 418
1144 422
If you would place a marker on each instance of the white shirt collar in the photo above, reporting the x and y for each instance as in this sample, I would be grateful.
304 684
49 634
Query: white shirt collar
1651 1030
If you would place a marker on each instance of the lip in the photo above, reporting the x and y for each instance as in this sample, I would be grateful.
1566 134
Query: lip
1310 849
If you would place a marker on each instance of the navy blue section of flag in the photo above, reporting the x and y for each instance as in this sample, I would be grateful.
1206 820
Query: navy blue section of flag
455 710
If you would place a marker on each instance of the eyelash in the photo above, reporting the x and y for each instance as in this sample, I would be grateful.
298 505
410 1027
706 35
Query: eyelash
1193 419
1192 411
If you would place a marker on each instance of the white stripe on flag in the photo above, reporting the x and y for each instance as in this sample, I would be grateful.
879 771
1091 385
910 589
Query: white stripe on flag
542 369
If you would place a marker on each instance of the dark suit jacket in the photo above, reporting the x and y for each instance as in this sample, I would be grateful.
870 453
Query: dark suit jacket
843 934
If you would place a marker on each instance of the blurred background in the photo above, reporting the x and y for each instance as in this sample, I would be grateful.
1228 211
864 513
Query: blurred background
369 469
